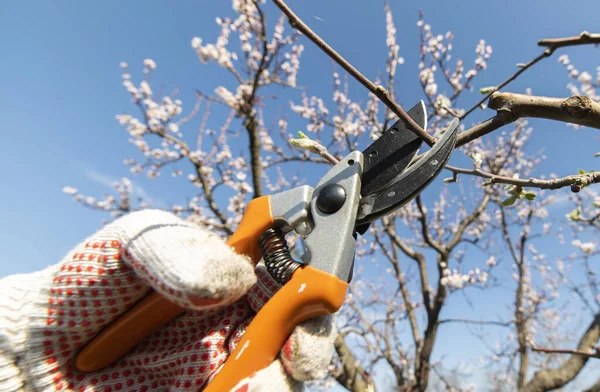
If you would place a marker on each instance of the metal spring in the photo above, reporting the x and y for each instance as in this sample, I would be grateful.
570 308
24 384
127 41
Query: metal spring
278 260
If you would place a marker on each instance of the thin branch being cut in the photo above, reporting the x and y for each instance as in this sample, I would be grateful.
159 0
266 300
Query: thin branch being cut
576 182
379 91
551 44
577 109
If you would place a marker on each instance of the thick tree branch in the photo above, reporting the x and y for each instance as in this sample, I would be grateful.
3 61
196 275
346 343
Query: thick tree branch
577 109
546 380
552 44
584 38
354 378
379 91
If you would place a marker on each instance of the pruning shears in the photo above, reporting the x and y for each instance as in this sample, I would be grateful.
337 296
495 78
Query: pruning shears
359 189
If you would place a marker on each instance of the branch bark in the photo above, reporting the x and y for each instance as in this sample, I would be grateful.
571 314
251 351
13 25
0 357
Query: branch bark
551 44
546 380
576 181
577 109
582 39
353 378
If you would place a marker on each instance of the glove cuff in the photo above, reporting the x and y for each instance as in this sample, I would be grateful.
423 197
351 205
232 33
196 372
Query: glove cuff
20 306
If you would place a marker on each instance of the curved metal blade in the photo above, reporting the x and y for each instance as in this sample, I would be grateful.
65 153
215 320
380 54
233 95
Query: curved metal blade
389 155
410 183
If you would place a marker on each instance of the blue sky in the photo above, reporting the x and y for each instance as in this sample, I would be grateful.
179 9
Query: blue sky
60 90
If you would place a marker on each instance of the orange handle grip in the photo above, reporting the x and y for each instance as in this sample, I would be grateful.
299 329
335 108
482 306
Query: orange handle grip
309 293
154 311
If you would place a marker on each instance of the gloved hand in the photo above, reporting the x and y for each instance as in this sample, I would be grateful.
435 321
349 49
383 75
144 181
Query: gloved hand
47 316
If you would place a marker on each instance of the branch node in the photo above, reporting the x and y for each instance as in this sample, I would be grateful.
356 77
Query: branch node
577 106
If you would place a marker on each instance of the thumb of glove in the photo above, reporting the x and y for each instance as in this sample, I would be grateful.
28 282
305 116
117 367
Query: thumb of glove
186 263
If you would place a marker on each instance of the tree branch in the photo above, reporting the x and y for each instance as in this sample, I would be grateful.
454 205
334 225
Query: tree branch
551 44
379 91
555 378
577 109
208 194
477 322
576 181
593 354
582 39
425 230
455 240
410 308
250 123
354 378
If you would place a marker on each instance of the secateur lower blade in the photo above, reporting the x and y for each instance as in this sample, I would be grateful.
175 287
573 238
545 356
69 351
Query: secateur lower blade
387 182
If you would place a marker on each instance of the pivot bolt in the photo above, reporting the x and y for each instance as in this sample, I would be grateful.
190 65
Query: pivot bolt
331 198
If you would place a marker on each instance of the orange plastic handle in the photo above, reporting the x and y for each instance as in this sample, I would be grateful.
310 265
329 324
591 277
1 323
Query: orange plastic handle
309 293
154 311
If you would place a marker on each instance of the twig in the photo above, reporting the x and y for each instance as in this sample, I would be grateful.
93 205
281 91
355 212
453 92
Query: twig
577 109
594 354
208 194
478 322
576 182
551 44
379 91
522 68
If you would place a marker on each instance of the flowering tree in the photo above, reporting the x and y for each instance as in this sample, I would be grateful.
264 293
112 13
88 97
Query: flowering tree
484 212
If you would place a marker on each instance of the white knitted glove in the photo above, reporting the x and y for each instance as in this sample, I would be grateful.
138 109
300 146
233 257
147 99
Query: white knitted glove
47 316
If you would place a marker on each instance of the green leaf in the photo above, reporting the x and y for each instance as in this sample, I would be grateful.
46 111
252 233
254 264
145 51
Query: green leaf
529 195
581 171
510 201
